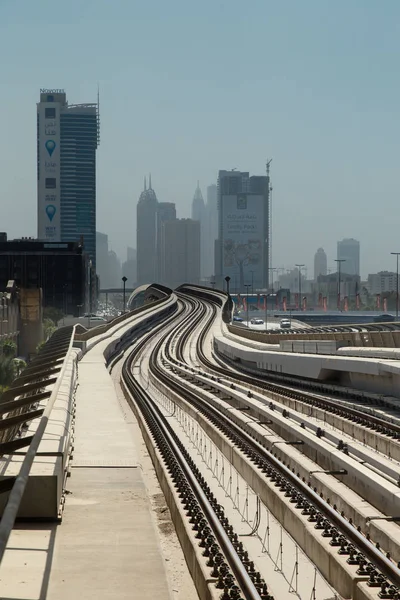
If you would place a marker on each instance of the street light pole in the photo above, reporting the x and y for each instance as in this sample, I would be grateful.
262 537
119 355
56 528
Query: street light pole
247 285
300 300
339 261
396 254
124 280
252 283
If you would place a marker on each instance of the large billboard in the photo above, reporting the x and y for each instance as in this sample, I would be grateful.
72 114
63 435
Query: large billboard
244 240
49 225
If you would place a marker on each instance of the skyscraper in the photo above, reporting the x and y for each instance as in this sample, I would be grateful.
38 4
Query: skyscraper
199 214
146 236
211 228
349 251
166 211
67 138
320 263
180 241
243 245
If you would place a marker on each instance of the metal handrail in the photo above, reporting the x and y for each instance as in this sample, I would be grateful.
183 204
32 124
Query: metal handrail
11 510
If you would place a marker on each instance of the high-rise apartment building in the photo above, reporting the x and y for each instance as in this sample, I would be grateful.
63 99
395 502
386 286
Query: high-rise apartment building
146 236
67 139
243 246
211 228
320 263
180 252
166 211
348 250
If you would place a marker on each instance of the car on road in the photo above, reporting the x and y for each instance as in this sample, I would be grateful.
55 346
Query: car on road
238 319
257 322
285 324
384 319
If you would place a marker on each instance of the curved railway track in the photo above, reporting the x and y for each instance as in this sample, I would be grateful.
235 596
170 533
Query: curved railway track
230 565
362 552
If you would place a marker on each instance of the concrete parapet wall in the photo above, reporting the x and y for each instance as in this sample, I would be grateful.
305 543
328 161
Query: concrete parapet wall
44 491
376 339
369 374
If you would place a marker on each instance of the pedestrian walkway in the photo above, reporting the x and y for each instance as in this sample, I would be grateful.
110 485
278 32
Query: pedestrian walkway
107 545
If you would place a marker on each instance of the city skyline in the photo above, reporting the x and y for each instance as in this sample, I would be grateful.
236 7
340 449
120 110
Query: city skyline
324 108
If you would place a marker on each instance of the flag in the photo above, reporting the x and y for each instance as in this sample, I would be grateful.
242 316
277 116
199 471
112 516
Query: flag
358 301
385 305
324 303
346 303
378 302
284 304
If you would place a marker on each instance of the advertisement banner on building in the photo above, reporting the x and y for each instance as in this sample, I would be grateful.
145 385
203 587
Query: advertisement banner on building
49 226
244 238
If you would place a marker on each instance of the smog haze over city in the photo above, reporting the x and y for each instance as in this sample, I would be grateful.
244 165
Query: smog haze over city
188 88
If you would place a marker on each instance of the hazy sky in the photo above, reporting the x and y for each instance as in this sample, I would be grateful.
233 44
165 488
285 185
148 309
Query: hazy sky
189 87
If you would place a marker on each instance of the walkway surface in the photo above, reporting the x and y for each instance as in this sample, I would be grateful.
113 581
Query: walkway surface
107 545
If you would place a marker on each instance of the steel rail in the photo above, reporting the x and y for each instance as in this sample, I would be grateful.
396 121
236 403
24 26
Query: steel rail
235 563
387 425
376 557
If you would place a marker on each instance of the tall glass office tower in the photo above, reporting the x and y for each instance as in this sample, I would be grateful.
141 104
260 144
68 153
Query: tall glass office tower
67 139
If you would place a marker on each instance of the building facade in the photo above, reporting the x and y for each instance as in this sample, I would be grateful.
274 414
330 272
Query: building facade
166 211
348 250
211 229
199 214
243 245
67 140
180 241
146 236
60 269
320 263
102 258
384 281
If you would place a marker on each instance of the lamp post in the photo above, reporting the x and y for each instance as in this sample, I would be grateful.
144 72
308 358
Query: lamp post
272 269
339 261
266 309
227 279
300 300
124 280
396 254
247 285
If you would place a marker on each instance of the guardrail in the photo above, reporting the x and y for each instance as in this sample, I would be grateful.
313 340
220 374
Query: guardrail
375 339
19 405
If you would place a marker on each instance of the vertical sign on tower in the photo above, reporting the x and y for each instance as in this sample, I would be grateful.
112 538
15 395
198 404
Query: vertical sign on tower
49 225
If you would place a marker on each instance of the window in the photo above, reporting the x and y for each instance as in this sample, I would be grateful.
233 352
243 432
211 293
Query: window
50 183
50 113
50 98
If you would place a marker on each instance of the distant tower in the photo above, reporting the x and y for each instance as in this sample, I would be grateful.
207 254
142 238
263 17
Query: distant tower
199 214
349 251
67 139
320 263
146 236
